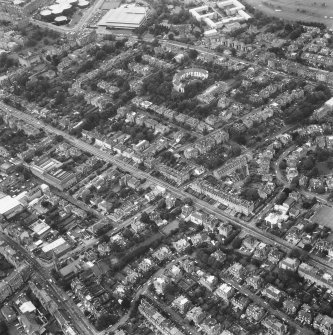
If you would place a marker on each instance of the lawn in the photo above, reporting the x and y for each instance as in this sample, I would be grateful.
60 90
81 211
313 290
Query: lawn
297 10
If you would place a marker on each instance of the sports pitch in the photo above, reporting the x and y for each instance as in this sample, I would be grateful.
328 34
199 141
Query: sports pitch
297 10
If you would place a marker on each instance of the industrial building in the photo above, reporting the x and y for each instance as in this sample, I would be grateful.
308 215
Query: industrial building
124 17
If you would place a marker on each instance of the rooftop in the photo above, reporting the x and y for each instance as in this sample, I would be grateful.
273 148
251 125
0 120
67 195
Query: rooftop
127 16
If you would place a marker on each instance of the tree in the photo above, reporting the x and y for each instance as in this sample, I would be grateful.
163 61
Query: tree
3 328
100 54
59 138
310 227
145 218
307 247
313 173
170 289
295 253
193 54
308 164
104 321
104 239
236 243
283 165
161 204
188 201
250 194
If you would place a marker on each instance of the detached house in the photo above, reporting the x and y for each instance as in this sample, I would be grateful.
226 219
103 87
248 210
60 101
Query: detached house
272 292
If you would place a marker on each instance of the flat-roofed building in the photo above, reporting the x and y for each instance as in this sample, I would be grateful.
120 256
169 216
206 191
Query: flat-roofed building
50 171
9 206
40 228
124 17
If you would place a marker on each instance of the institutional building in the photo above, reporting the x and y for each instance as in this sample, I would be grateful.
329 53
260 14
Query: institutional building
217 14
178 79
50 171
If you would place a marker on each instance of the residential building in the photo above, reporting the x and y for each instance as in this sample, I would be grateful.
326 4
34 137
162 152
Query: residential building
145 265
290 264
231 166
255 281
217 193
209 282
14 281
272 292
255 312
196 315
188 265
181 245
274 325
186 211
324 324
181 304
274 255
211 327
240 302
163 325
225 229
178 175
219 256
314 275
162 253
225 291
305 315
237 270
291 305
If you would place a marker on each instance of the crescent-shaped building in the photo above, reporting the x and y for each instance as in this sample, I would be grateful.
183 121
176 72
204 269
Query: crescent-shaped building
178 79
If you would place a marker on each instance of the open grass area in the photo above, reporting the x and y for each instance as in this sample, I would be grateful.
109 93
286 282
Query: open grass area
297 10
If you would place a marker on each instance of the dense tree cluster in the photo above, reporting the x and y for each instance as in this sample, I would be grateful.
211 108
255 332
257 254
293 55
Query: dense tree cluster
14 141
137 132
181 17
158 86
303 110
6 63
35 34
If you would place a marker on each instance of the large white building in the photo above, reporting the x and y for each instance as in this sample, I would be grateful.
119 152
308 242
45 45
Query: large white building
179 78
124 17
221 13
